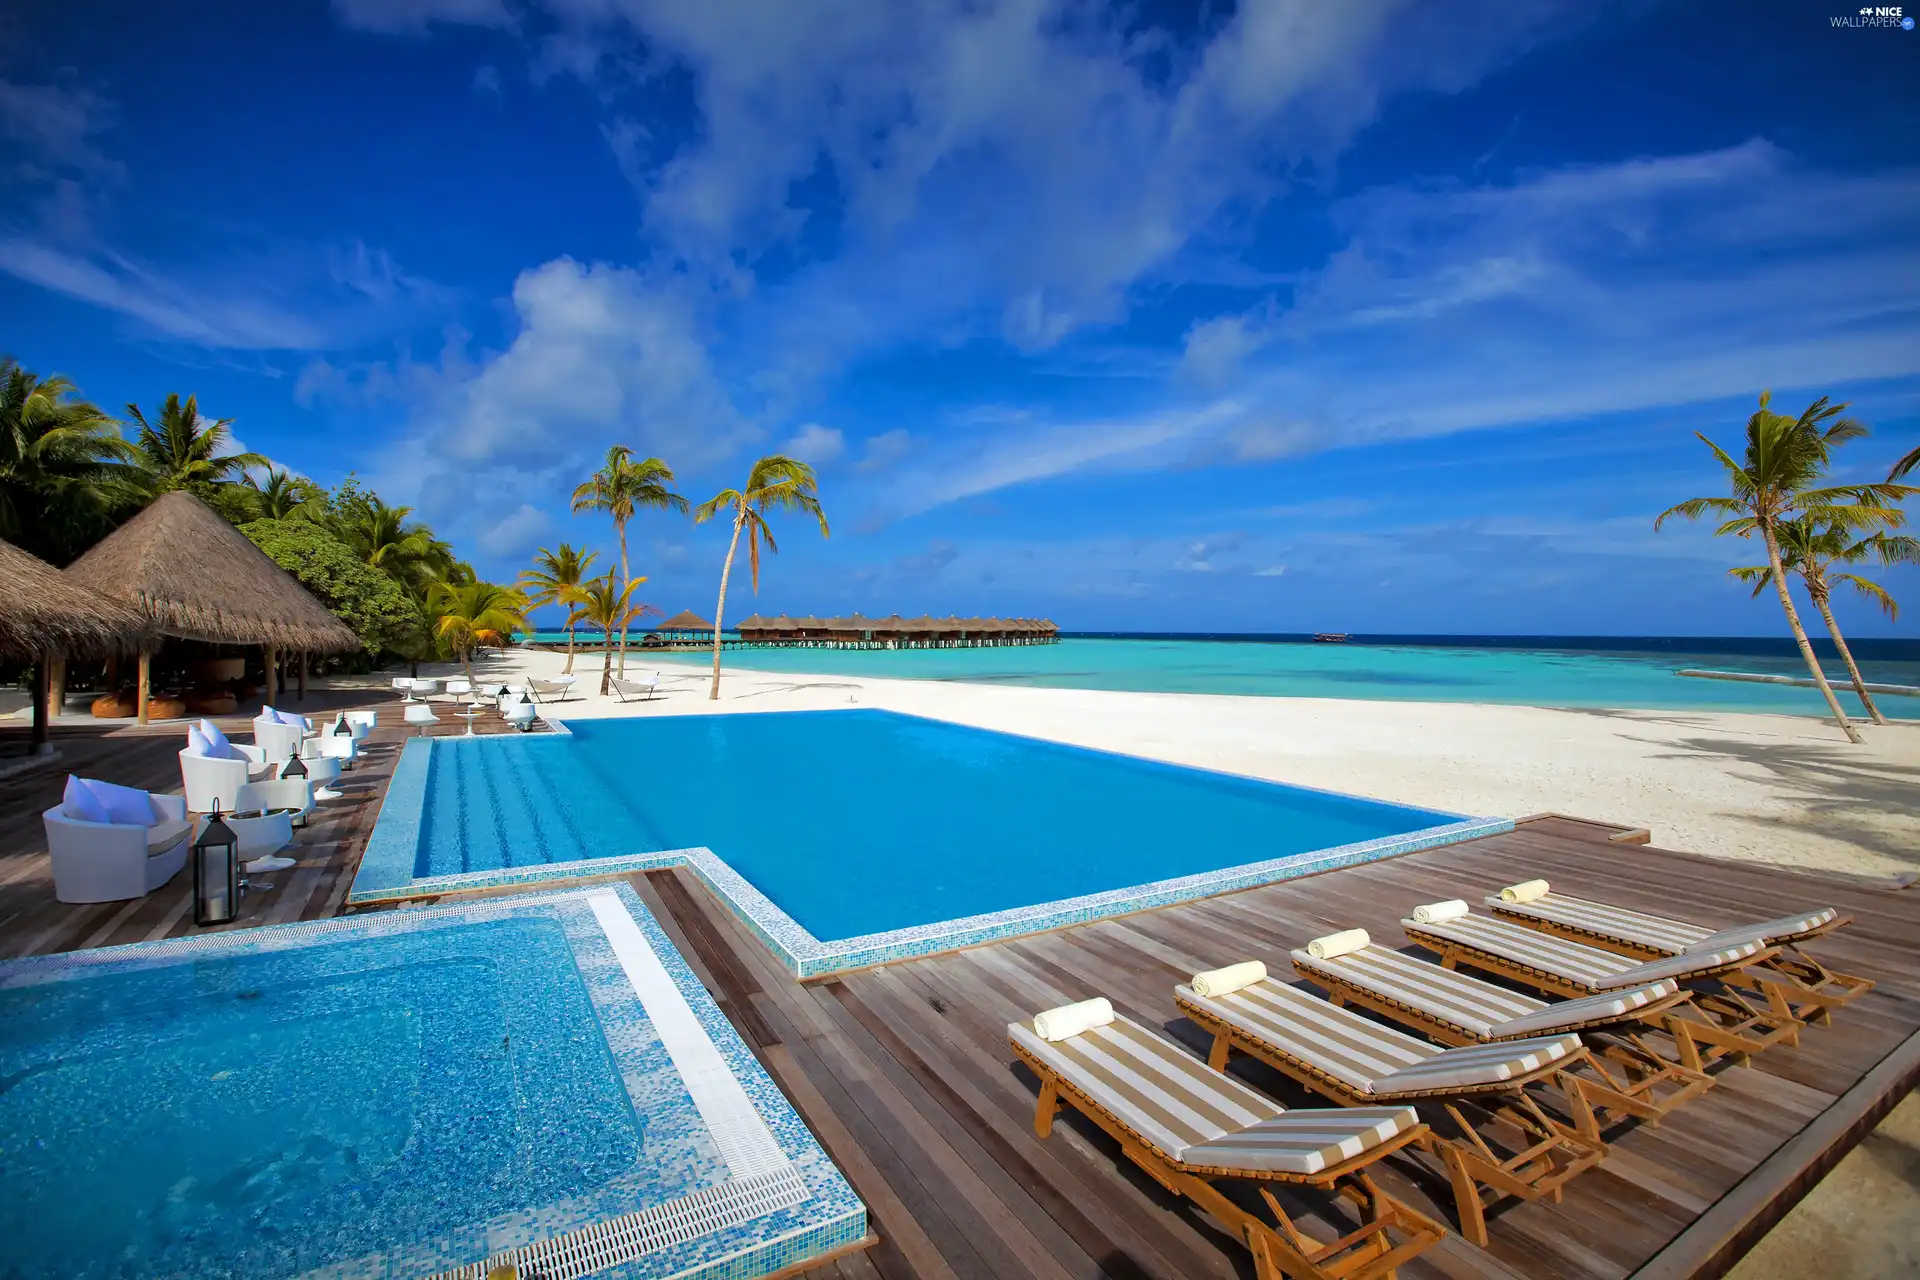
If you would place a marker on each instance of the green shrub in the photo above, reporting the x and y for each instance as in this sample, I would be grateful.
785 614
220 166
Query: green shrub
382 614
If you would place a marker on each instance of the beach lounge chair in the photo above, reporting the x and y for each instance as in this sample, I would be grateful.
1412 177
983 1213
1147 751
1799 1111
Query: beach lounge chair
555 689
1359 1063
1189 1127
645 686
1809 989
1625 1074
1732 1027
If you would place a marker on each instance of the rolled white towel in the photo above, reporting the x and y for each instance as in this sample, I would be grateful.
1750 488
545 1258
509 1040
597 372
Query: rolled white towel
1525 891
1346 942
1225 981
1440 912
1070 1020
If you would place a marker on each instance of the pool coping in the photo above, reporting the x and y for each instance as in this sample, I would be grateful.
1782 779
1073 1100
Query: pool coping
394 844
755 1226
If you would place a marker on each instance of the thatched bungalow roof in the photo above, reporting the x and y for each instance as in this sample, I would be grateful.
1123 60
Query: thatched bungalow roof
782 623
753 623
892 622
685 620
197 577
810 623
44 611
854 623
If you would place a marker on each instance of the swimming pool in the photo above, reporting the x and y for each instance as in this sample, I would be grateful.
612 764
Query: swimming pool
847 837
408 1093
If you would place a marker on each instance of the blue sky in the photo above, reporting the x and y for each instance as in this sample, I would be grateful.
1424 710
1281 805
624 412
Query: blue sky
1287 316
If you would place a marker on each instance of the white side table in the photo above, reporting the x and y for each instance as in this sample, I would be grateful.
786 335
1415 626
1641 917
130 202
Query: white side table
261 836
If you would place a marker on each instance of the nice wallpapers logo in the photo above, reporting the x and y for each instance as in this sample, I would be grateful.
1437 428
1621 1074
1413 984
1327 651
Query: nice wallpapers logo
1875 16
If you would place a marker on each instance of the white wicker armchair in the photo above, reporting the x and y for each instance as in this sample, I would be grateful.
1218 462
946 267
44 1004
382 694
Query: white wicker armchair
112 861
209 778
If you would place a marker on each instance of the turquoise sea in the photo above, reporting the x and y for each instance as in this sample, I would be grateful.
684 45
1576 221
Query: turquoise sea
1592 672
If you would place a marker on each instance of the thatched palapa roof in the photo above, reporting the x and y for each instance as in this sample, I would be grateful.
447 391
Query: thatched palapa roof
195 576
752 623
44 611
685 620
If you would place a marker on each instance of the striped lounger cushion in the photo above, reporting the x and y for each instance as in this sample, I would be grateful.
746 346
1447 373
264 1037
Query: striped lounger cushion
1659 933
1476 1006
1365 1056
1197 1116
1573 962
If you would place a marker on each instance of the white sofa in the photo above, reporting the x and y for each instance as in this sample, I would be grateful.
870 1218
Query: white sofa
209 778
279 741
277 793
331 746
113 861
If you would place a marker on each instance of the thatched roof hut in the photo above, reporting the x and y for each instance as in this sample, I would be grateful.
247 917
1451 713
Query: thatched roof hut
781 623
197 577
753 622
44 612
685 620
810 623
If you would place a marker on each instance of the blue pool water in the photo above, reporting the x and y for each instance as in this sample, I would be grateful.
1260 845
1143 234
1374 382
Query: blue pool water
396 1094
1586 673
859 822
268 1114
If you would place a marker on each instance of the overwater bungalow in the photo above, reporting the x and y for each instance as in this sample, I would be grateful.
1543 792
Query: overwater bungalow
894 632
685 627
205 590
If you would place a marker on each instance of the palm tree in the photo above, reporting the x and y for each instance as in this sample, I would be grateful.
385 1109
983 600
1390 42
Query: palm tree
280 497
65 471
474 614
1810 549
775 482
556 578
620 488
607 605
1902 467
404 550
186 450
1771 484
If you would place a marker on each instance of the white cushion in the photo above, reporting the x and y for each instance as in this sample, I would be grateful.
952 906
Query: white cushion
128 806
166 833
81 804
217 745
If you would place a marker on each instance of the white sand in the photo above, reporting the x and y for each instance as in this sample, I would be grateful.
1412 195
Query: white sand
1765 788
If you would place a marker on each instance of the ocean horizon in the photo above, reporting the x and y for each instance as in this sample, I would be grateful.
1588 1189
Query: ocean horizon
1580 672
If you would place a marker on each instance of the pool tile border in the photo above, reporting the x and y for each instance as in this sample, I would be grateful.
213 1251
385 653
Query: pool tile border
830 1218
386 867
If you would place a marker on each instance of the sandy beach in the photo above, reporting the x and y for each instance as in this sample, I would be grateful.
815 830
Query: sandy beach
1762 788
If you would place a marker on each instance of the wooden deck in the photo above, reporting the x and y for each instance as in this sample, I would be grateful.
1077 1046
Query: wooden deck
904 1072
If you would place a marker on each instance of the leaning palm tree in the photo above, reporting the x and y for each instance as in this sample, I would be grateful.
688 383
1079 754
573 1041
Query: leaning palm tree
1810 549
65 470
1905 465
182 449
609 607
1773 483
775 482
622 487
556 578
476 614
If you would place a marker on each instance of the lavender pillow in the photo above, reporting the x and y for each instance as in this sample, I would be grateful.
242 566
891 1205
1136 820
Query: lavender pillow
79 803
217 745
128 806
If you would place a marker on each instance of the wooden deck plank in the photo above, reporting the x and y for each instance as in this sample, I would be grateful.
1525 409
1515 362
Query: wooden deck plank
904 1073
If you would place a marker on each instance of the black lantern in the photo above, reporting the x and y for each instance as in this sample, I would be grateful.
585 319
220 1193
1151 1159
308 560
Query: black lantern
216 872
295 767
341 729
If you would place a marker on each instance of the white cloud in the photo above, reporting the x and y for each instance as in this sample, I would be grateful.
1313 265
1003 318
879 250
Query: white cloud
816 444
888 449
516 533
1214 349
1271 571
414 17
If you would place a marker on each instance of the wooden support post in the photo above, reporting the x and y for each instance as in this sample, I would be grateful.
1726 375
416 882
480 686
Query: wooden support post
272 693
56 685
146 683
303 676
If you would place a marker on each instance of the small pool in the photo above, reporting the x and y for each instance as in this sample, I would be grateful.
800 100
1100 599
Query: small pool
868 828
412 1093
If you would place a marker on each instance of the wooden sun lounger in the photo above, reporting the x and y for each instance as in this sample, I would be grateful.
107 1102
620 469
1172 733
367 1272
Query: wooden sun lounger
1189 1127
1359 1063
1625 1077
1732 1027
1790 979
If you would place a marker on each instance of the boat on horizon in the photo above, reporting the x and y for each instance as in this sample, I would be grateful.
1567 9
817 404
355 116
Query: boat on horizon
1330 637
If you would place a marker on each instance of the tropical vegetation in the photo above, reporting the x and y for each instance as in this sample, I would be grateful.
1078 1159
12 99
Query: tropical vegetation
1776 482
774 483
66 473
470 615
379 610
608 606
